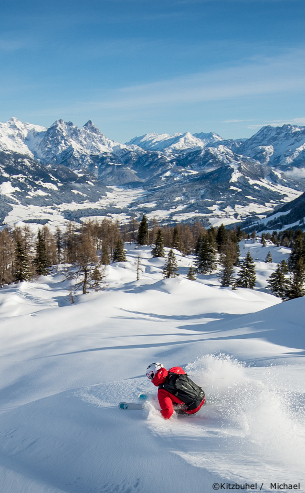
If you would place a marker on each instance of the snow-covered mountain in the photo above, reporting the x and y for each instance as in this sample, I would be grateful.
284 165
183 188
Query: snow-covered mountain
62 142
40 190
174 143
277 146
65 143
174 178
20 137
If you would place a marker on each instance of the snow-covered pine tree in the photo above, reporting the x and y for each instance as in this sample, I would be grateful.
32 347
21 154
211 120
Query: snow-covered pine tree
170 268
247 275
158 249
143 231
278 281
119 252
268 258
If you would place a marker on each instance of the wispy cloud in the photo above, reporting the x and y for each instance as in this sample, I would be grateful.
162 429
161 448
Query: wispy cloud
116 47
237 121
259 77
275 123
11 44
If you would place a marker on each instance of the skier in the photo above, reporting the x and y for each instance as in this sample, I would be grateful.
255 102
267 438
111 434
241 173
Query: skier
176 391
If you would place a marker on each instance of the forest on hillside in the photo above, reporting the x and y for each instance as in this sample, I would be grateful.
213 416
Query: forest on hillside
84 251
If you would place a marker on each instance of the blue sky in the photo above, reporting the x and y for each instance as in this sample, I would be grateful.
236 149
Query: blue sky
138 66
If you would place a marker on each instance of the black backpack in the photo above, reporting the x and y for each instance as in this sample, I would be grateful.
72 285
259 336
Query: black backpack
185 389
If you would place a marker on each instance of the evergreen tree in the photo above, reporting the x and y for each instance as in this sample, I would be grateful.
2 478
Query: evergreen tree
274 238
143 231
247 276
41 261
21 265
232 235
97 278
212 234
278 282
176 243
268 259
119 252
236 262
284 266
297 251
191 274
7 255
296 284
221 237
59 245
239 233
227 259
227 273
198 243
263 240
206 259
105 258
170 268
158 249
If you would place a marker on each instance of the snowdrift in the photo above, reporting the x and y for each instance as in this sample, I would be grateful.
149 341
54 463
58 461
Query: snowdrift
66 367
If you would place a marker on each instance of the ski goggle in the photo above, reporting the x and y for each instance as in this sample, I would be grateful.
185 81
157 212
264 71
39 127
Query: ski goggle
150 374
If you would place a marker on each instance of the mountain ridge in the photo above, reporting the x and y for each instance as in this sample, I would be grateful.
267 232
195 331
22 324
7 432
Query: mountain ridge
174 178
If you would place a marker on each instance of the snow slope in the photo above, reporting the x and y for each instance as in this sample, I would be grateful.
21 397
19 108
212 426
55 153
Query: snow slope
65 368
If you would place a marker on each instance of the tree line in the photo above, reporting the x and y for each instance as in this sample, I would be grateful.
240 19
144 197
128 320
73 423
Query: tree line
287 281
86 250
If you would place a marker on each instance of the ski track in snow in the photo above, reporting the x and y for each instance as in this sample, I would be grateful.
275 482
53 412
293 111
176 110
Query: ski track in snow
66 367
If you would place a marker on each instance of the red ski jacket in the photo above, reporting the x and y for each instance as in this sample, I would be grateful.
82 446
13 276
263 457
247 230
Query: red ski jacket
166 400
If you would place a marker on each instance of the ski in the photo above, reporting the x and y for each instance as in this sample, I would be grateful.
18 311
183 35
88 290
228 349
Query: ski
131 406
136 405
143 397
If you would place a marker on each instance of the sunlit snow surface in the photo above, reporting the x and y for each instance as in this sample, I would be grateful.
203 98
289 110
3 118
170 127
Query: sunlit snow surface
65 368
